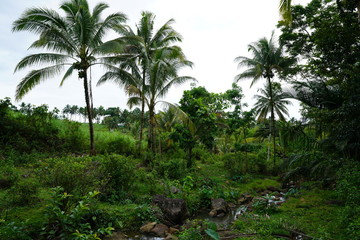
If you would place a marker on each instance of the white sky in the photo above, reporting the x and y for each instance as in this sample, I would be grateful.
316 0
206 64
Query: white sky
214 33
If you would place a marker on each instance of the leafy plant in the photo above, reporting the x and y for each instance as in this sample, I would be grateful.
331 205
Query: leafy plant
68 220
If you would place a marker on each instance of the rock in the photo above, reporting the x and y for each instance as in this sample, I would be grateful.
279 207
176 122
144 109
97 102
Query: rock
160 230
221 214
174 190
213 213
231 205
245 199
173 230
219 207
174 210
171 237
147 227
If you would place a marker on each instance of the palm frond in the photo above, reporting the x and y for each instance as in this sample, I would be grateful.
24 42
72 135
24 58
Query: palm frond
41 58
34 78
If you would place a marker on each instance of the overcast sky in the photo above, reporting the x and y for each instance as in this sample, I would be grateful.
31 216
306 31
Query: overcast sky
214 33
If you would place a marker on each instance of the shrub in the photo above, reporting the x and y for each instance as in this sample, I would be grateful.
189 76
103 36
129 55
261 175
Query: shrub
118 173
66 220
171 168
8 176
115 142
74 137
235 163
75 175
349 192
129 216
24 191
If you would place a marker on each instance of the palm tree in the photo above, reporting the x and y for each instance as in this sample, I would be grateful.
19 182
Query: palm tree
266 61
139 47
285 10
143 45
74 41
162 75
272 100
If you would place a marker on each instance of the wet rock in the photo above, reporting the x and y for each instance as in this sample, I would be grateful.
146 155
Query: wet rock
147 227
171 237
173 230
159 230
219 207
174 211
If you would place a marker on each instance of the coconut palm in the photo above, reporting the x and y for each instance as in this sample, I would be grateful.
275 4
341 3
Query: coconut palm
285 10
267 60
265 102
139 47
163 74
74 41
272 100
143 45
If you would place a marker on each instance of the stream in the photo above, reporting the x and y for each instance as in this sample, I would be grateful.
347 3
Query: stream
222 222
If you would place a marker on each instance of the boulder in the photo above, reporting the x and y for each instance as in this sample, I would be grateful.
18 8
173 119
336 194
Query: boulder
159 230
174 211
173 230
219 207
147 227
171 237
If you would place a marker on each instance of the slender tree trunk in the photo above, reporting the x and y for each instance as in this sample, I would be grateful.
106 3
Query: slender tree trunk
142 117
272 119
89 114
151 136
246 153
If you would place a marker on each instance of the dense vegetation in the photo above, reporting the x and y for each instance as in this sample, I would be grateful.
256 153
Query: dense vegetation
206 147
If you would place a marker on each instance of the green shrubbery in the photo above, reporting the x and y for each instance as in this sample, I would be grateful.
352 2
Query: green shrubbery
348 192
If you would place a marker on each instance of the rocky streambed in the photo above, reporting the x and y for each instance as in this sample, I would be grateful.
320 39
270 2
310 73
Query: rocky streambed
174 216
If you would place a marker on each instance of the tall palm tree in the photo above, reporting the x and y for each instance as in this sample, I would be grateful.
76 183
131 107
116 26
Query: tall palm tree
267 60
265 102
139 47
162 75
74 41
272 100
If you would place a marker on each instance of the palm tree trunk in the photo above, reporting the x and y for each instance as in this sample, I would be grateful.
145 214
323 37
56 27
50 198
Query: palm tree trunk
89 113
151 136
142 117
272 118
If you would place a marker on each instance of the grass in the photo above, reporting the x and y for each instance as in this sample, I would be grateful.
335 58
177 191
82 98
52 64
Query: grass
309 212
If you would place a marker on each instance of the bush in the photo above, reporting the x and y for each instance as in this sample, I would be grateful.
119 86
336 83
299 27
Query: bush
348 190
234 163
129 217
66 220
8 176
171 168
74 137
24 191
75 175
115 143
118 173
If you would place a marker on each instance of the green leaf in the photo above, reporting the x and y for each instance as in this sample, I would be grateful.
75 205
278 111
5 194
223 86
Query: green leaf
213 234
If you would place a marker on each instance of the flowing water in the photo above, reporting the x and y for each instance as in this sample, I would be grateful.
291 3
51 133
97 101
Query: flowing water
223 222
